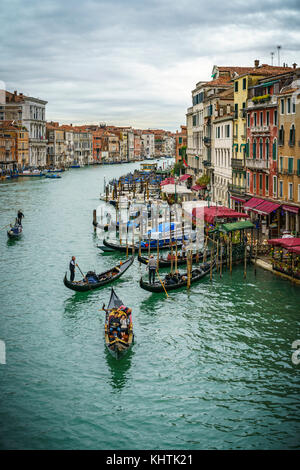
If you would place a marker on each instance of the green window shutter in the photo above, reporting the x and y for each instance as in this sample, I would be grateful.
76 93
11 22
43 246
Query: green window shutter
274 151
254 149
290 165
298 167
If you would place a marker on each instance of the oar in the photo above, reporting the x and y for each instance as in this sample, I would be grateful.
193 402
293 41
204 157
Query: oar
4 226
84 277
162 283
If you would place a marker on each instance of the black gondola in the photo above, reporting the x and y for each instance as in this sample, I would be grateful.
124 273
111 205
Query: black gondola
15 231
145 248
196 275
166 263
116 345
93 281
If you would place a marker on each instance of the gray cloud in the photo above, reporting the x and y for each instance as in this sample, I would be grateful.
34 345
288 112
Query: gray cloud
134 62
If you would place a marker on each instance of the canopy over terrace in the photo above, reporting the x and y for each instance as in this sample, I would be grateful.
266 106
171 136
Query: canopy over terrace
185 177
261 206
209 214
285 242
176 188
234 226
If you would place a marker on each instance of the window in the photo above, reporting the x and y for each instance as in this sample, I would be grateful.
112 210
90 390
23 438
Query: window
247 148
274 185
267 183
293 105
254 148
227 130
267 149
260 148
180 140
248 120
280 188
290 165
292 136
260 181
236 86
244 83
290 191
261 121
289 105
298 167
268 118
248 179
280 164
255 119
254 182
236 110
275 117
281 106
281 136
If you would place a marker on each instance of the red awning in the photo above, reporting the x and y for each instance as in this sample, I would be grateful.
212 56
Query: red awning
293 209
253 202
266 207
185 177
295 249
197 187
238 199
285 242
167 181
211 213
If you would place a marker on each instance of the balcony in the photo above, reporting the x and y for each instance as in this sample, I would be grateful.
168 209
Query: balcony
260 129
233 188
237 163
207 140
257 164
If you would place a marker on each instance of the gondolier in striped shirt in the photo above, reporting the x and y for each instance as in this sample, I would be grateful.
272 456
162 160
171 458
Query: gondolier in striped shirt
152 265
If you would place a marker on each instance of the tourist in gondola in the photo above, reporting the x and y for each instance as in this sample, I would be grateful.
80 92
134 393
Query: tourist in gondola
20 217
152 265
72 268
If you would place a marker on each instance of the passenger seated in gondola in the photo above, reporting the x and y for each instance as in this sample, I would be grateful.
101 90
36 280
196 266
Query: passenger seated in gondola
123 323
124 336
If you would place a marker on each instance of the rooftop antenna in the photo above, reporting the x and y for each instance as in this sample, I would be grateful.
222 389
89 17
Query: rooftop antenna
278 50
272 57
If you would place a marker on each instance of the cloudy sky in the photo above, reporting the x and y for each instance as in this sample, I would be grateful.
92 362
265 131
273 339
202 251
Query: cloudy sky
135 62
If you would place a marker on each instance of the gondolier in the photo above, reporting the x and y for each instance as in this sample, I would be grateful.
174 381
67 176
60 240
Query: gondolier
72 268
152 268
20 217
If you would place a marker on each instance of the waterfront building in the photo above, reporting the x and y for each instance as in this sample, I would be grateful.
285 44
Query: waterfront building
242 83
14 146
147 144
56 145
29 112
222 153
137 144
180 144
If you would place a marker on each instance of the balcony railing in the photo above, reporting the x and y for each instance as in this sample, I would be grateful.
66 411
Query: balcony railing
257 164
260 129
236 189
237 163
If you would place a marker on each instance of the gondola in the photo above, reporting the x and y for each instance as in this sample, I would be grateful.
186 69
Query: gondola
115 345
15 231
93 281
144 247
166 263
196 275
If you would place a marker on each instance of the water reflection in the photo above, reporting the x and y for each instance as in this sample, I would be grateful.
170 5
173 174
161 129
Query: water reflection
119 369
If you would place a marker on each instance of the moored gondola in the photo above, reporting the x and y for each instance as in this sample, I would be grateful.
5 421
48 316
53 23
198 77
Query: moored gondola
177 283
181 260
15 231
119 337
93 280
144 245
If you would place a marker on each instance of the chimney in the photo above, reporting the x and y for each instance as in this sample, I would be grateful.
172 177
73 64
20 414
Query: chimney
294 65
256 63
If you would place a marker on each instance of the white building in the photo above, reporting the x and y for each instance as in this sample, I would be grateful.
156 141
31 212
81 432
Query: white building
222 155
30 112
147 144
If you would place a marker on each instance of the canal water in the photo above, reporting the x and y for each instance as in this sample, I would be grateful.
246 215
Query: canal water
210 368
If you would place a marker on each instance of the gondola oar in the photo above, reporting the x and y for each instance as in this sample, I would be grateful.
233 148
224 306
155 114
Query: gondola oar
84 277
162 283
4 226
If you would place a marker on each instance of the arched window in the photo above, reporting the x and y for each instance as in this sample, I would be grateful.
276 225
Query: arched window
260 148
281 135
292 136
254 148
267 149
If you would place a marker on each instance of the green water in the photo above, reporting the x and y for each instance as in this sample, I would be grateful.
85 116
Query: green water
210 369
